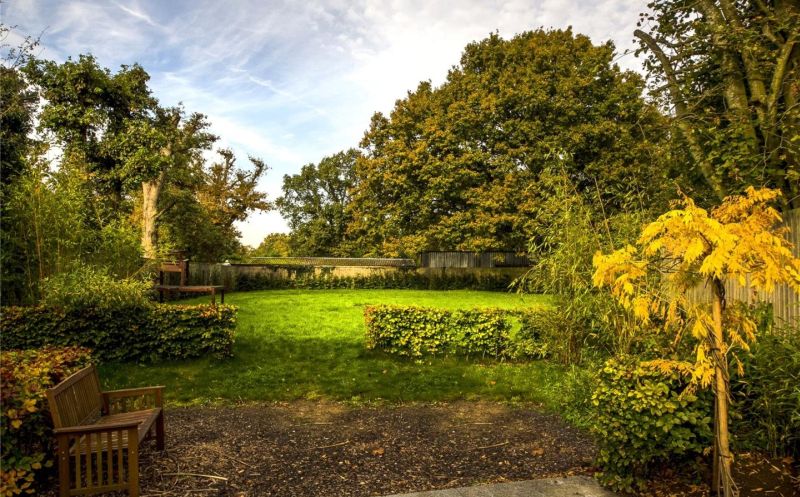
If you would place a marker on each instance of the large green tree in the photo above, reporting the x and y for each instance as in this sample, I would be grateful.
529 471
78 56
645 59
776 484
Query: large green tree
315 204
456 166
728 71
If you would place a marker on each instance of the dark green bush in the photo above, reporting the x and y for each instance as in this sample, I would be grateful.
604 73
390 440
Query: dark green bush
643 419
766 407
25 426
551 333
415 331
146 332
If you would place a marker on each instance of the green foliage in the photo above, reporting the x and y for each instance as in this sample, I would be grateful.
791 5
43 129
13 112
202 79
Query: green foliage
305 278
643 418
25 425
569 228
416 331
767 396
314 202
85 287
124 331
728 72
552 333
54 228
273 245
456 166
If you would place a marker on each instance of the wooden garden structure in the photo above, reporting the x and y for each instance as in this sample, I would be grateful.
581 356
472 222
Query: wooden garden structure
99 433
180 265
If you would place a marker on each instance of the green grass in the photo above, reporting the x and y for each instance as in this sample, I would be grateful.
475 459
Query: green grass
299 344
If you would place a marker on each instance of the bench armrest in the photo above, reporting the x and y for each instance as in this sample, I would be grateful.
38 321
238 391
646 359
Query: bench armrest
118 398
96 428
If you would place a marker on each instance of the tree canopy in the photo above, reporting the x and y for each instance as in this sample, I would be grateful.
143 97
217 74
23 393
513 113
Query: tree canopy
727 71
315 203
456 166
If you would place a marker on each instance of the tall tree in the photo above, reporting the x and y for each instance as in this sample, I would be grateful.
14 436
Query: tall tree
728 70
112 129
455 167
90 112
315 203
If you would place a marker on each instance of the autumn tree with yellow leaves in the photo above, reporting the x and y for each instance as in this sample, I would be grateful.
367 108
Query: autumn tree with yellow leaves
690 246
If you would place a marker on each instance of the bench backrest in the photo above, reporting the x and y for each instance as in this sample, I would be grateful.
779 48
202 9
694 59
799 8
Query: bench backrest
76 400
178 266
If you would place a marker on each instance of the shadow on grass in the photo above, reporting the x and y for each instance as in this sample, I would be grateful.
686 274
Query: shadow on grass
271 367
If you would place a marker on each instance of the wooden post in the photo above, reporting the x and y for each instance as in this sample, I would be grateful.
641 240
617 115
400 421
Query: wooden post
133 462
63 465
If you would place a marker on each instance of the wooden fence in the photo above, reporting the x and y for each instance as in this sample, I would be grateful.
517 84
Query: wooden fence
785 301
334 261
472 259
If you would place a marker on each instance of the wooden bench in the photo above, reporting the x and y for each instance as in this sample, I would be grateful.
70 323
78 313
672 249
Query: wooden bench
99 433
181 267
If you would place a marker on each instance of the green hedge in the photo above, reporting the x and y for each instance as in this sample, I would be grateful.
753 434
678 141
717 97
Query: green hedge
305 279
416 331
25 426
126 333
642 419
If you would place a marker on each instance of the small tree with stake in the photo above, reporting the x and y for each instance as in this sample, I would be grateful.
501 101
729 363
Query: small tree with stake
741 238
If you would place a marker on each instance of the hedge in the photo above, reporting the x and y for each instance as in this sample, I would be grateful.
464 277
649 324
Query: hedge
305 279
416 331
25 425
126 333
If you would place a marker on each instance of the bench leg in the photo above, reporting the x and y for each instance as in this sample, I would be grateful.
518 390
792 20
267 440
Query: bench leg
63 466
133 462
160 431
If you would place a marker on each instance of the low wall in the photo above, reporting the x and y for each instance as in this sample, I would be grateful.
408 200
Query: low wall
262 276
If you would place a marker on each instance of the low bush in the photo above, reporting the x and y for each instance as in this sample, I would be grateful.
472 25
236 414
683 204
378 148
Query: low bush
25 425
643 418
146 332
416 331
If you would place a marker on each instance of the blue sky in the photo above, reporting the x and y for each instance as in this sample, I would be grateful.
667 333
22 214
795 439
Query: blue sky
293 81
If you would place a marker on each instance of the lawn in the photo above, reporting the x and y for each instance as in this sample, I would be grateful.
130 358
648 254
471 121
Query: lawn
299 344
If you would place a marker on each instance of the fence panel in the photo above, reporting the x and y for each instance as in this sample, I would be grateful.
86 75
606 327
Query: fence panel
785 301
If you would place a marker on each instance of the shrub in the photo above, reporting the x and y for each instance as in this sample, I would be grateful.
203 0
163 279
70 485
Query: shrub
415 331
643 418
128 332
86 286
551 333
25 428
767 397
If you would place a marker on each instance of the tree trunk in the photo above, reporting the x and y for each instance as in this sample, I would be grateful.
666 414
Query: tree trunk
150 194
721 381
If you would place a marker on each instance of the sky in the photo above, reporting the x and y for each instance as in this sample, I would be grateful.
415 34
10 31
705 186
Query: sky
291 82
